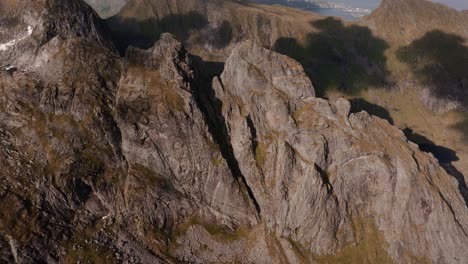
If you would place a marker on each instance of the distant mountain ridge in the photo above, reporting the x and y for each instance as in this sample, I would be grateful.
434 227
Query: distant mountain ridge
107 8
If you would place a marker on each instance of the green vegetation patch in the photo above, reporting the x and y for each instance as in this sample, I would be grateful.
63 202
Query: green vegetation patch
148 177
370 247
161 89
299 112
219 233
80 249
301 253
261 153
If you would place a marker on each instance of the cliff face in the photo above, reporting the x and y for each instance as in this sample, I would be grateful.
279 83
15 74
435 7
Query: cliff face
31 32
139 159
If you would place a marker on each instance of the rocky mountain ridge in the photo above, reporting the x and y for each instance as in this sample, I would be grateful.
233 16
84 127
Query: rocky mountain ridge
386 64
139 159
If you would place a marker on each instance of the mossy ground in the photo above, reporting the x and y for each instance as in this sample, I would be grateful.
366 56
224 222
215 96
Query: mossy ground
220 233
80 249
148 178
158 88
261 153
369 247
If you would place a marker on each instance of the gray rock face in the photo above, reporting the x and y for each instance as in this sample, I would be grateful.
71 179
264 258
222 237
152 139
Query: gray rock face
164 131
134 160
314 169
31 29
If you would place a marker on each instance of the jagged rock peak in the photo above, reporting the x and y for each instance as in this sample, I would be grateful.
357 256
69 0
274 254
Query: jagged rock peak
74 18
167 56
38 22
250 64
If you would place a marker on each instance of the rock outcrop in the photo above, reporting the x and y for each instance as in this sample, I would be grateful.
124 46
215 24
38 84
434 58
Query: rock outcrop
133 159
318 173
31 29
166 134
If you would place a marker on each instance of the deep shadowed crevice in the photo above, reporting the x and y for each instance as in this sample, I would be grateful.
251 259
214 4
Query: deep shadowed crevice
325 179
211 107
444 155
339 57
253 134
82 189
359 104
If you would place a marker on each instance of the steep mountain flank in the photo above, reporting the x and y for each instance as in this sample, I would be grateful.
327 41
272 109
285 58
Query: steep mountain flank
138 159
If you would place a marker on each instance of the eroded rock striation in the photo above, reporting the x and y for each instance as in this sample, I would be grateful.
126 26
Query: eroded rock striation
133 159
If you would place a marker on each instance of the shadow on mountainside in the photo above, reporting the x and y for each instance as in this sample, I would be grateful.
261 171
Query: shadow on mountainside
144 33
347 58
445 157
439 61
359 104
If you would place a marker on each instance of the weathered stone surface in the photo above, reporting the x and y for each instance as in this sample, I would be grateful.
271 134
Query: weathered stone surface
133 160
315 172
164 131
31 27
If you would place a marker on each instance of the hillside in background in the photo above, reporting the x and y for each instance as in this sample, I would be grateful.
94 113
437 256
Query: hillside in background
107 8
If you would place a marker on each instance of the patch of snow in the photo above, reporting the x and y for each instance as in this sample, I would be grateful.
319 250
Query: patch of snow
14 248
5 46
